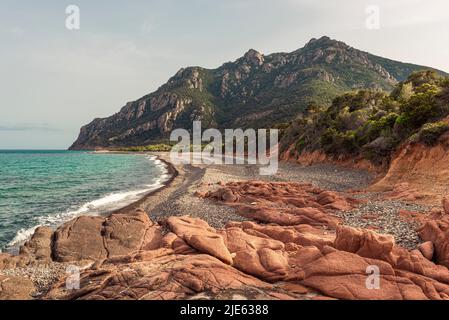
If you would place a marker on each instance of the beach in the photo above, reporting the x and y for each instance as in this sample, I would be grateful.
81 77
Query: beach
201 193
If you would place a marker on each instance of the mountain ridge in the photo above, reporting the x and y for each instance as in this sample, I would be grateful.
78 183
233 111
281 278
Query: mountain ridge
255 90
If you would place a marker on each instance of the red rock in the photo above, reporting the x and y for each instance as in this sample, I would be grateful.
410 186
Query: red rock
343 275
268 261
403 191
365 243
437 232
302 234
426 249
39 246
16 288
166 277
283 203
292 255
200 194
445 204
199 235
97 238
229 196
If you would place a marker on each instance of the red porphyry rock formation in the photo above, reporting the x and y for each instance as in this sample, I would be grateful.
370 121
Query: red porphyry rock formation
283 203
436 231
98 238
268 261
185 258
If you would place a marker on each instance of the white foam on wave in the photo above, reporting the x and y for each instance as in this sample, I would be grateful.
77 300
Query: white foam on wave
22 235
107 203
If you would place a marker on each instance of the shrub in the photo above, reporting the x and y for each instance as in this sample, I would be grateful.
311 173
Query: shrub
424 77
161 147
336 142
419 109
430 132
379 149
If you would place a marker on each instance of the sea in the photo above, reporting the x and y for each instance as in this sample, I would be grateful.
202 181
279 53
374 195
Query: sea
50 187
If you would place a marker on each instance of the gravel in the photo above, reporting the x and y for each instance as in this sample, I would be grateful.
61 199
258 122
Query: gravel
181 200
42 276
326 176
384 216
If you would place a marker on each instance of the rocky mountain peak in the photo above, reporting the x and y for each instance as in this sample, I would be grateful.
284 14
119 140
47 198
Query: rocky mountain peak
254 57
325 43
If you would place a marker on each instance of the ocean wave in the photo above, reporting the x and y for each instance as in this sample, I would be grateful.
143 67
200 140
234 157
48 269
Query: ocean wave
107 203
21 236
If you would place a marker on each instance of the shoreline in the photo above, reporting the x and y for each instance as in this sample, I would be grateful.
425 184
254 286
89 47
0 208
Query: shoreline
190 211
171 171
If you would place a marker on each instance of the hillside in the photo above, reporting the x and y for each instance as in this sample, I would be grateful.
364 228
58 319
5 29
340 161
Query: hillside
372 125
255 91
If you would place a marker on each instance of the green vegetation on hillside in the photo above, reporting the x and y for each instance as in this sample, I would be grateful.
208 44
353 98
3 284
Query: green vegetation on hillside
372 123
160 147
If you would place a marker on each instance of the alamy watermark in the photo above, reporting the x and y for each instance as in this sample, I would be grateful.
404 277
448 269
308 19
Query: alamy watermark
373 280
73 18
235 147
372 21
72 281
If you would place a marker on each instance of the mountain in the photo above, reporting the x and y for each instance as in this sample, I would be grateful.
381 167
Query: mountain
253 91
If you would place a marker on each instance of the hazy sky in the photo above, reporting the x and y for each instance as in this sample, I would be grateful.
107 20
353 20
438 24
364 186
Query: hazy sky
54 80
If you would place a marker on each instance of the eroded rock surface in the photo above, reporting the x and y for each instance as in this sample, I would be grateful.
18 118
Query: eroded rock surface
128 256
98 238
283 203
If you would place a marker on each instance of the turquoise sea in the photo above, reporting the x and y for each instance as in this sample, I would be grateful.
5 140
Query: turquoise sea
50 187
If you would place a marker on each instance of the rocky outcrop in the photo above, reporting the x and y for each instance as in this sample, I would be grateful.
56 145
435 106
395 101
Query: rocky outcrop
435 230
262 261
15 288
99 238
283 203
418 172
200 236
128 256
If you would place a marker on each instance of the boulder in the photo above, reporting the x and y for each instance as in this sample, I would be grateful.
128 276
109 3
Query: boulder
16 288
283 203
437 232
426 249
363 242
199 235
98 238
39 245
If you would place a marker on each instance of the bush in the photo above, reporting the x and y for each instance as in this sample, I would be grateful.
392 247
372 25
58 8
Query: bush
424 77
379 149
336 142
419 109
430 132
161 147
375 127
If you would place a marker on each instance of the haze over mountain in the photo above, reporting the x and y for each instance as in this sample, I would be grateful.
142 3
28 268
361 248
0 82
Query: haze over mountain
254 91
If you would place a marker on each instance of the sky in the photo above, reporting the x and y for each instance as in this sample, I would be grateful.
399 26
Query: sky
53 80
